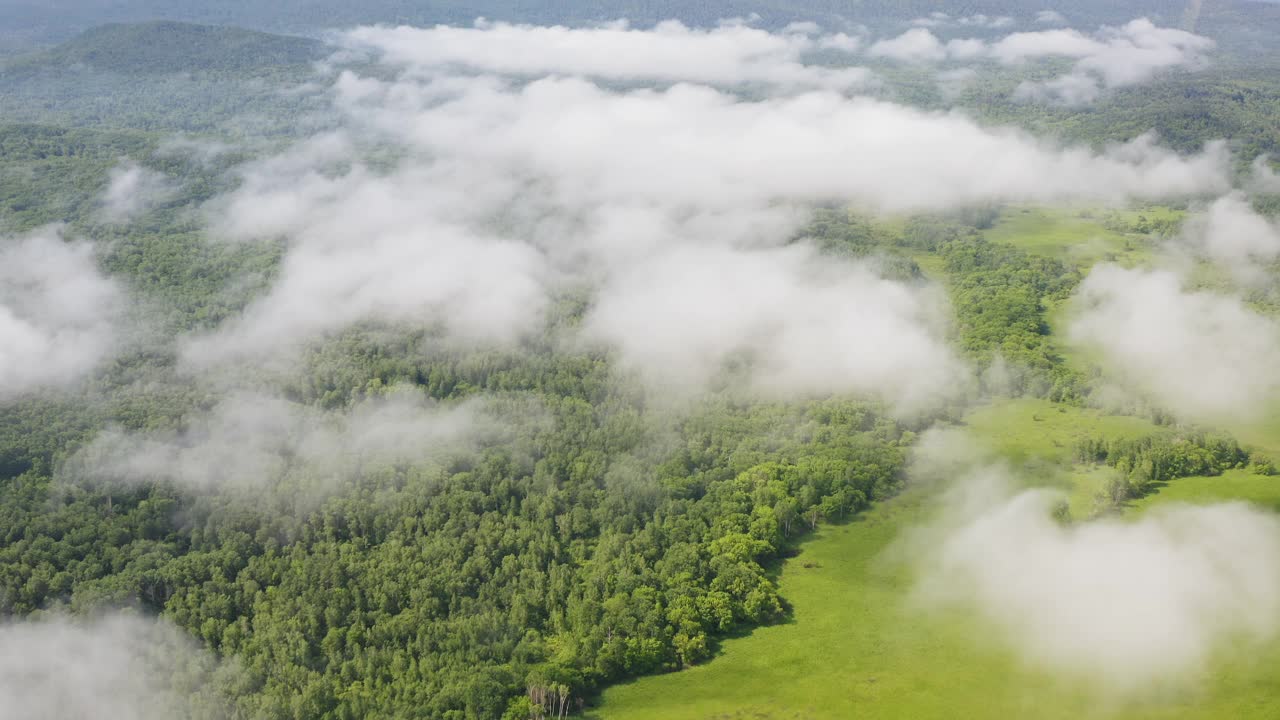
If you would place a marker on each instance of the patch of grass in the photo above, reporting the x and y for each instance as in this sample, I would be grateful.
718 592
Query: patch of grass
1029 429
932 265
1076 236
1242 484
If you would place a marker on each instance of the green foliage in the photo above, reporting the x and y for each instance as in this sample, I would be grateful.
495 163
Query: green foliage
1001 295
1143 463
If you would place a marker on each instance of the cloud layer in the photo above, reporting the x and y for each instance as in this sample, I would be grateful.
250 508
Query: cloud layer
1112 57
1233 235
1205 356
458 198
133 189
116 666
806 326
730 55
252 442
58 312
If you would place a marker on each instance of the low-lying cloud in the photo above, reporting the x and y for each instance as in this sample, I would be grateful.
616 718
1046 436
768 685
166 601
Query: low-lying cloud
730 55
1125 605
1205 356
115 666
58 312
941 19
459 198
1265 179
1112 57
1050 17
252 442
131 190
806 324
1235 236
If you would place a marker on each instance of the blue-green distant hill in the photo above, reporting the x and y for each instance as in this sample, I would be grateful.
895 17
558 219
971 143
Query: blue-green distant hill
163 76
161 47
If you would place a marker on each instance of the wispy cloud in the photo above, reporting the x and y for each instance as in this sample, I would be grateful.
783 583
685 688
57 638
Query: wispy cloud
1203 355
131 190
729 55
115 666
58 312
1126 606
503 192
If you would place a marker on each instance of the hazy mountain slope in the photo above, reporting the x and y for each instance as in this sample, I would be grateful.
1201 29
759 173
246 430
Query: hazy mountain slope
166 46
162 76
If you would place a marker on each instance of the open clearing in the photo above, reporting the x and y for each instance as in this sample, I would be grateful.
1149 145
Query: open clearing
1078 235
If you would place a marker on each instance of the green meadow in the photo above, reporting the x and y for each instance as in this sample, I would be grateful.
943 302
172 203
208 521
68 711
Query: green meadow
856 646
1082 235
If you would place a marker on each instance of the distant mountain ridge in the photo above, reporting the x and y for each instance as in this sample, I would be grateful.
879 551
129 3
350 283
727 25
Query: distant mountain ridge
58 18
167 47
34 23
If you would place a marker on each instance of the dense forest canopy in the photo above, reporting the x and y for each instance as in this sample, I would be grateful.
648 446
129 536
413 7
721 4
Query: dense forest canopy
466 371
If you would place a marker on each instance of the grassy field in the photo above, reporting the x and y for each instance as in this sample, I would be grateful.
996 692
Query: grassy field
854 648
1077 236
1231 485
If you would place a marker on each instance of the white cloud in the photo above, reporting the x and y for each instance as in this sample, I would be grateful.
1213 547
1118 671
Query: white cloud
966 48
840 41
1023 46
1204 356
808 324
117 666
1126 605
994 22
939 19
1265 179
1050 17
697 147
501 193
368 246
201 150
1134 52
914 45
58 313
131 190
951 83
251 442
933 19
1114 57
1072 89
1232 234
729 55
802 28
